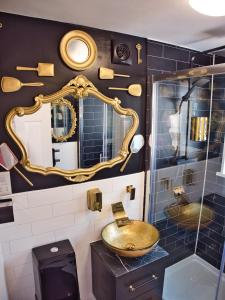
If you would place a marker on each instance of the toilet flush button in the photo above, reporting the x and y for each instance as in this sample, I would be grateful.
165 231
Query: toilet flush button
54 249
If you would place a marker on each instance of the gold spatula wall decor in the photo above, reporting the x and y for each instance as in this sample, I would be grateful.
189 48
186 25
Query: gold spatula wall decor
43 69
11 84
133 89
105 73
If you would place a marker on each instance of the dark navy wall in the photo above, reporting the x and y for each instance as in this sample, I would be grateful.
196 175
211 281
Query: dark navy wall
27 41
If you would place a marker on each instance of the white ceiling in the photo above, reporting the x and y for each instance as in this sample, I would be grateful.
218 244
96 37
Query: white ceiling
171 21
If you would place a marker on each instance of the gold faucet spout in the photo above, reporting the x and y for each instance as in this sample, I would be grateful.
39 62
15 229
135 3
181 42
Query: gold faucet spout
119 214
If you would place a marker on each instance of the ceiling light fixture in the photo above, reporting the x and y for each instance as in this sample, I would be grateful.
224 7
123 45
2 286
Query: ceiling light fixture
214 8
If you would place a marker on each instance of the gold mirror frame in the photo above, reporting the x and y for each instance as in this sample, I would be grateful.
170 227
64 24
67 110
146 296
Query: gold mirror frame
88 40
79 87
64 138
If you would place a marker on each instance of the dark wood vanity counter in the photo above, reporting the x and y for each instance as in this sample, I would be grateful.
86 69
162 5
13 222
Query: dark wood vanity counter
119 278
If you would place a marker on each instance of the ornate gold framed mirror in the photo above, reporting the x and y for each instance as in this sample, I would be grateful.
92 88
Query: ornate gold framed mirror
78 50
63 118
105 130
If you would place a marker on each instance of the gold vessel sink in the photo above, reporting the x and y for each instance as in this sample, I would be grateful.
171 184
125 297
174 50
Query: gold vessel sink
187 215
134 239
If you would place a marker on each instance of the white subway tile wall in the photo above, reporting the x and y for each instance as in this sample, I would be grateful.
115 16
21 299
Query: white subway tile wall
164 197
45 216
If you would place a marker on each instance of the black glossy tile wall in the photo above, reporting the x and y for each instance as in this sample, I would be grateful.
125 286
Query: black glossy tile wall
178 242
91 141
211 239
168 103
217 128
164 58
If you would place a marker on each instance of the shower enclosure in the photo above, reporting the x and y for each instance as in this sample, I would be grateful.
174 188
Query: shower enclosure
187 180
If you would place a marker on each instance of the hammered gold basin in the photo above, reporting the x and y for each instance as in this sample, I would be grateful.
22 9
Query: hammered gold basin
132 240
187 215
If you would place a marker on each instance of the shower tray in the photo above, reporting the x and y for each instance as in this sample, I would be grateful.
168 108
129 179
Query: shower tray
192 279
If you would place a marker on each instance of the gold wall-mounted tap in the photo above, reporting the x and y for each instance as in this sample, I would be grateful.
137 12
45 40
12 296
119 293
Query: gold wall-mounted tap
119 214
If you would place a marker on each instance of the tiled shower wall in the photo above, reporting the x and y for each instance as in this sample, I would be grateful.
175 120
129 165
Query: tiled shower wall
179 242
170 94
211 239
50 215
216 184
163 58
164 195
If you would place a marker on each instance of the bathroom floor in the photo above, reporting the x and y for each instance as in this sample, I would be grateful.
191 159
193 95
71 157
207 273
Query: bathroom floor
192 279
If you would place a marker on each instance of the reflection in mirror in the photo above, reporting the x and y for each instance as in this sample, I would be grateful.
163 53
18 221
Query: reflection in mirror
77 50
102 131
99 138
63 119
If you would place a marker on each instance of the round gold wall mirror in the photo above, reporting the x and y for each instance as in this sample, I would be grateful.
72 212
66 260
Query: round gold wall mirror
63 119
78 50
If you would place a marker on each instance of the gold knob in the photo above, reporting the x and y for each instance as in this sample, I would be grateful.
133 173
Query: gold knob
131 289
